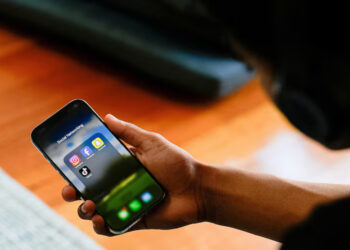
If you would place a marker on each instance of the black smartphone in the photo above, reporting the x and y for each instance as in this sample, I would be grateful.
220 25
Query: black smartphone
98 165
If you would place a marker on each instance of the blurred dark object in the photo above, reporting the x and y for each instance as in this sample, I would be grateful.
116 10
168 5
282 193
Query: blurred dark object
189 17
173 50
309 55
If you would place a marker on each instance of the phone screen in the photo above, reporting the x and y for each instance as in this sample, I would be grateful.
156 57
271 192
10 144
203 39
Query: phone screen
98 165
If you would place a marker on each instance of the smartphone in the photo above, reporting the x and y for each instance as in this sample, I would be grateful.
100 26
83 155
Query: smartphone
98 165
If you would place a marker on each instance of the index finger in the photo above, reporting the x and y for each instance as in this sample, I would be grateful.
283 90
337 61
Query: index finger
69 194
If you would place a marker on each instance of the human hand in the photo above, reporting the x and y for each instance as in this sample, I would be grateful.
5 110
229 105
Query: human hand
173 167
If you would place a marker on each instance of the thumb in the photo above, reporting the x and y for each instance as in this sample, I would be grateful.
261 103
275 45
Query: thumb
128 132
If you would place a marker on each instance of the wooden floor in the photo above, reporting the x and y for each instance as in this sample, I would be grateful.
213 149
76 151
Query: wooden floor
37 80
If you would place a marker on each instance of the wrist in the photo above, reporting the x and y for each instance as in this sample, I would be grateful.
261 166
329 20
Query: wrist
205 189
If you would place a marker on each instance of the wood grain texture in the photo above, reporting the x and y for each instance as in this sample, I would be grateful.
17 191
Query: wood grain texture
37 80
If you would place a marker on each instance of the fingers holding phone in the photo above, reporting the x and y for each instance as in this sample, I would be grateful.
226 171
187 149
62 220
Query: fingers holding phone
98 166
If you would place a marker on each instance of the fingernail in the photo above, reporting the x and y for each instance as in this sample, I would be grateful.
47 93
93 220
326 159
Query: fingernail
83 209
111 116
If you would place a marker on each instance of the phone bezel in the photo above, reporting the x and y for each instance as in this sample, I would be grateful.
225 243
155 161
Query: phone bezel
56 116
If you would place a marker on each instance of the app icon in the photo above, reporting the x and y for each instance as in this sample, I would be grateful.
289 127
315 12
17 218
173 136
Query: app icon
74 160
146 197
85 171
123 214
86 151
97 142
135 205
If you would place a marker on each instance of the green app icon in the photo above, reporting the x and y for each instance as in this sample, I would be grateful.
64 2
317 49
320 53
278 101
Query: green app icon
123 214
135 205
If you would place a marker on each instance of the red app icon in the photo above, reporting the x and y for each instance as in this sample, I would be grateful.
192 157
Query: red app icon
74 160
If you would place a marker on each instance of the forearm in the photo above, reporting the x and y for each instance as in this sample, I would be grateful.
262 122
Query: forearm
259 203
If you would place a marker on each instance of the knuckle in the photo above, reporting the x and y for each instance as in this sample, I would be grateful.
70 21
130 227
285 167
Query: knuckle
129 126
155 136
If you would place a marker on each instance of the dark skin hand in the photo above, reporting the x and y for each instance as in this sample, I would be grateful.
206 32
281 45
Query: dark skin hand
163 159
257 203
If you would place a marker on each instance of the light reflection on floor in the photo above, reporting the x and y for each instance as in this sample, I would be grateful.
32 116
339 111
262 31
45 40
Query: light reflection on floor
291 155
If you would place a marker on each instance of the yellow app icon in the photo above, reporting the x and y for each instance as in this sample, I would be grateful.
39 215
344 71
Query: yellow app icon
98 142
